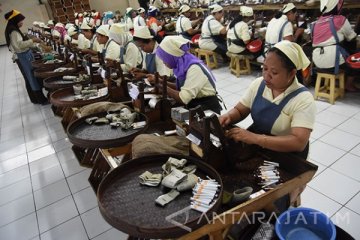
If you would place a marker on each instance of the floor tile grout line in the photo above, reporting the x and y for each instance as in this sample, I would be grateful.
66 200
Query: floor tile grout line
342 205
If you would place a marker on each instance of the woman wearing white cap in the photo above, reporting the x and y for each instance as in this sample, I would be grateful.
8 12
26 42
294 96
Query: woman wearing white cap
282 109
184 26
328 32
238 34
71 36
130 14
130 55
146 42
195 84
281 27
213 32
111 49
87 41
139 20
153 23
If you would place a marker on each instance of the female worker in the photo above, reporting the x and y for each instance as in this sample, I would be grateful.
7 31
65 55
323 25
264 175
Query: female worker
213 32
20 45
282 109
87 40
195 84
238 34
130 14
153 23
184 26
130 55
329 31
281 27
145 40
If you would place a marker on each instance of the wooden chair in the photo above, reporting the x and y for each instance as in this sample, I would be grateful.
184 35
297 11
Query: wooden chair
239 64
330 86
210 57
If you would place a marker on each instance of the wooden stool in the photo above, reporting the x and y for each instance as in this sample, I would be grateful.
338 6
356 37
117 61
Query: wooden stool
239 64
329 88
207 54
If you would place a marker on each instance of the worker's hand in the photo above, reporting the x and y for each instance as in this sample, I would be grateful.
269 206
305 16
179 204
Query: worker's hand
138 75
36 40
151 78
225 120
239 134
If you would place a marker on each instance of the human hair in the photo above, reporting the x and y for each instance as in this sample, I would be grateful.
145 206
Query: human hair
142 40
286 62
237 19
334 11
279 13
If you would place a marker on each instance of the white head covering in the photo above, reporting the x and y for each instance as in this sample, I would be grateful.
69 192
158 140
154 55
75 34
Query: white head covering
56 33
103 30
216 8
294 52
142 32
172 45
42 25
184 8
85 26
152 8
118 32
246 11
59 24
129 9
69 25
71 31
288 7
327 5
50 22
141 10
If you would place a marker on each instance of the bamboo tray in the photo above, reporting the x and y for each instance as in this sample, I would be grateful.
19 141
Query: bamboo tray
85 135
65 98
130 207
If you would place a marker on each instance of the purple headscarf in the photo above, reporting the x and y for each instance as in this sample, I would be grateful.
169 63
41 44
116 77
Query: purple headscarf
180 65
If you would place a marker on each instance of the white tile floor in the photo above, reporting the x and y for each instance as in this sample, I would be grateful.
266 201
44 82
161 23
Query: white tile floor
44 193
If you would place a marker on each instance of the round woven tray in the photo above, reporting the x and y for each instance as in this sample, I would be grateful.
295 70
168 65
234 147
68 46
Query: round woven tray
46 73
130 207
65 98
85 135
57 82
41 64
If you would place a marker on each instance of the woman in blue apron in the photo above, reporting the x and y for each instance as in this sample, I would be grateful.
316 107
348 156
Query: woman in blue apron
195 84
329 32
282 109
130 55
145 40
184 26
280 27
20 45
213 32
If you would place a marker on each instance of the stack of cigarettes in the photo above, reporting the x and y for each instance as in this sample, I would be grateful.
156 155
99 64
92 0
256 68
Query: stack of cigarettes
269 175
205 194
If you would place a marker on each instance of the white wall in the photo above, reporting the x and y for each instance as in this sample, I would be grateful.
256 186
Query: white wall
29 8
109 5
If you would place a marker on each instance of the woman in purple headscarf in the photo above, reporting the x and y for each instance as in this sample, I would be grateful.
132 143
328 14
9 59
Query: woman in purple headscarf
195 84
